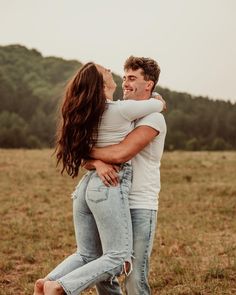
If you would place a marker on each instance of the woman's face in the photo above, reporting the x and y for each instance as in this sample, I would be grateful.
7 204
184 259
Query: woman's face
110 85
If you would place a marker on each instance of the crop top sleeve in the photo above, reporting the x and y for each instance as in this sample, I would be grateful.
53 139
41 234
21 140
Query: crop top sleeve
135 109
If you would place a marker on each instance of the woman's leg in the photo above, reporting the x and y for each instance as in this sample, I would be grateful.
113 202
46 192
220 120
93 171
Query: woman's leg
87 237
86 233
110 209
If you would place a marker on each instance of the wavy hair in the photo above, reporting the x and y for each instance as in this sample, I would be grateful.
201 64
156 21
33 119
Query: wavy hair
83 105
150 68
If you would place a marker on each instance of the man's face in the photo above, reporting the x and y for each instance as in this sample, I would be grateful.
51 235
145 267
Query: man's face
134 86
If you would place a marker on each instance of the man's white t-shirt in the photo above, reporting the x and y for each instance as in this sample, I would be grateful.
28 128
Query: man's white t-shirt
146 166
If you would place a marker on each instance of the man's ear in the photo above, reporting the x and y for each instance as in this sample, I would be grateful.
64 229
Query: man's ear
150 85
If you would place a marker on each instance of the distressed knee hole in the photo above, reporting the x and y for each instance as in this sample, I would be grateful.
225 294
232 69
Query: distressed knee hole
127 267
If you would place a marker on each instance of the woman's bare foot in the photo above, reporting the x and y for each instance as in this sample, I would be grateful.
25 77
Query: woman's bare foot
38 287
53 288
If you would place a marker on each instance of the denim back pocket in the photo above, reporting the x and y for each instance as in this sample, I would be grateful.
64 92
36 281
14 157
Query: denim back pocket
96 190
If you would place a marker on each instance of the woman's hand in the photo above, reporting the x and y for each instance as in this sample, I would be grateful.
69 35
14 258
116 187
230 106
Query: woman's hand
158 96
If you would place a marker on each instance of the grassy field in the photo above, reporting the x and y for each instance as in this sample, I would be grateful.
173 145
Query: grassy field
195 245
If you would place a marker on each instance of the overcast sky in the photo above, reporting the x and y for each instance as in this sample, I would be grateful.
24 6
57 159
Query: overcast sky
194 41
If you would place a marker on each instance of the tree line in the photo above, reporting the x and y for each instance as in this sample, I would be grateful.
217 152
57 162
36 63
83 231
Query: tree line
31 88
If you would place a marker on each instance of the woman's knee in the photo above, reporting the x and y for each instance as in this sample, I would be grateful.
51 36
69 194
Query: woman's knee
122 262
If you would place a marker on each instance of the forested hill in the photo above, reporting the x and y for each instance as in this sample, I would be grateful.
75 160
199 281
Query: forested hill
32 85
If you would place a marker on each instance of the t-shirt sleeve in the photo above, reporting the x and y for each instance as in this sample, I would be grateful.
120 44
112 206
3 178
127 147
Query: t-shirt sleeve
135 109
154 120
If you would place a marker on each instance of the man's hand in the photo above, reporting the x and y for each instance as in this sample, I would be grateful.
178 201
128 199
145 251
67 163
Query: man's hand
108 173
88 164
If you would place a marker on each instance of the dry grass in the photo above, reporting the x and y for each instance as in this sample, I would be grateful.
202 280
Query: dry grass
195 245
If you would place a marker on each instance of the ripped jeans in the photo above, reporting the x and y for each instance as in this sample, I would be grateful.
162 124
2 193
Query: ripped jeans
103 233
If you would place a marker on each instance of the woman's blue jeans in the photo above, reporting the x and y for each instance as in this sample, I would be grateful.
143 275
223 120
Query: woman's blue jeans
103 233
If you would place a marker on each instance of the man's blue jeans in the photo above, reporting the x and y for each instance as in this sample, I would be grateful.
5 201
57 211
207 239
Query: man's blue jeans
143 224
103 233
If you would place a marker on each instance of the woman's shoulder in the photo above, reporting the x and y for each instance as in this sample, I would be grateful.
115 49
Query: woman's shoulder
113 103
108 101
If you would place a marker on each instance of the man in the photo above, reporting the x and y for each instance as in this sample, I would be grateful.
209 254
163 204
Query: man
144 145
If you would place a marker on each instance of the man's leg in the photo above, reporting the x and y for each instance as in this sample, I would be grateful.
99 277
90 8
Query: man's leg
144 224
109 287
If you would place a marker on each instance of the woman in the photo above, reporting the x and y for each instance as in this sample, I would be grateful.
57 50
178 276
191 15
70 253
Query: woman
101 214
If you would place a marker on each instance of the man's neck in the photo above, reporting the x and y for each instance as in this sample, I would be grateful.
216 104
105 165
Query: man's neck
145 96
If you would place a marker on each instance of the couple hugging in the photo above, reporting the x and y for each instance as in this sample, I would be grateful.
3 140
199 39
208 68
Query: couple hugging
115 204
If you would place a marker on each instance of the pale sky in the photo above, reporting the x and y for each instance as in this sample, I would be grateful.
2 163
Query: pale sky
194 41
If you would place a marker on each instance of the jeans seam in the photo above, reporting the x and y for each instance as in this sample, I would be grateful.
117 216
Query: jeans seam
143 267
127 170
146 252
64 288
126 229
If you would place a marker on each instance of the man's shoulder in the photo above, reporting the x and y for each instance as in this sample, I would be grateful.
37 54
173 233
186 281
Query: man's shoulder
153 117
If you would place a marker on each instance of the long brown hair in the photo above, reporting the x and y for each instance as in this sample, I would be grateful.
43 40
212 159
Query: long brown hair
82 108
